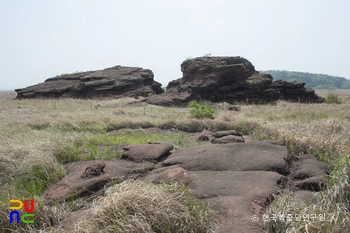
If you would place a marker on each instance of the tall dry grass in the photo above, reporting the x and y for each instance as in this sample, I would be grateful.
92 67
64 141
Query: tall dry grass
138 206
35 131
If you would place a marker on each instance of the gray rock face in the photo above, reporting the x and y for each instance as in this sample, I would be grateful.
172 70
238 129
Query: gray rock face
118 81
229 79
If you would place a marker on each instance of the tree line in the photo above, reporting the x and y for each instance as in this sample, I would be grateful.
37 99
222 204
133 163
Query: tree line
315 81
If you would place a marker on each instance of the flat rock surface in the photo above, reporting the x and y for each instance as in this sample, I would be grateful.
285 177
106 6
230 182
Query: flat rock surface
236 213
234 157
255 184
172 173
237 180
76 183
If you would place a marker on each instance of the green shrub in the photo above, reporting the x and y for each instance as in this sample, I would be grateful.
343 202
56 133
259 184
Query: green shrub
201 111
332 99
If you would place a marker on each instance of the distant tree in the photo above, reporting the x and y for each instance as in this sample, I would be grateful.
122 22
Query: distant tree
316 81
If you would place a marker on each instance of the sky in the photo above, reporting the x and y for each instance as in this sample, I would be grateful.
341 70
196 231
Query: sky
41 39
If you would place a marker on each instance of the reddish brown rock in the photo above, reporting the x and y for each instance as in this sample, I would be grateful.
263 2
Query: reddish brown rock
74 184
233 157
236 214
254 184
172 173
74 187
146 152
237 180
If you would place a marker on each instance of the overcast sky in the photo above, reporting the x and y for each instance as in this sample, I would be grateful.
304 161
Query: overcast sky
40 39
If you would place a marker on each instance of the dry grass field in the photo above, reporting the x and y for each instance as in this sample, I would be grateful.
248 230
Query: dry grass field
38 136
344 94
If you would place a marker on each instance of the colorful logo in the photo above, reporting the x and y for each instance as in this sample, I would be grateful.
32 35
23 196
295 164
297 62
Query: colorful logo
27 217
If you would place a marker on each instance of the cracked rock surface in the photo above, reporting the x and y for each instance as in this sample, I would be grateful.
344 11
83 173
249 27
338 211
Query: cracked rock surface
237 180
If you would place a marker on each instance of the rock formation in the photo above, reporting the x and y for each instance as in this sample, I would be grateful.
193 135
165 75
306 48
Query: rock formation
229 79
237 180
118 81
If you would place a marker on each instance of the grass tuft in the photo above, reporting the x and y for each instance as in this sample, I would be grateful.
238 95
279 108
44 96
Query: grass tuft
333 99
108 146
139 206
330 209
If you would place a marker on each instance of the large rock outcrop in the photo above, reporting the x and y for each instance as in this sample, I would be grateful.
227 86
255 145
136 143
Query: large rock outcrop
237 180
118 81
229 79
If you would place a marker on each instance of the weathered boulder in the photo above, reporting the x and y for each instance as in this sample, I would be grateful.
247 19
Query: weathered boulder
149 152
118 81
229 79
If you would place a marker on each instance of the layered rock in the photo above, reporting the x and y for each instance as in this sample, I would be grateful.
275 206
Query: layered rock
237 180
229 79
118 81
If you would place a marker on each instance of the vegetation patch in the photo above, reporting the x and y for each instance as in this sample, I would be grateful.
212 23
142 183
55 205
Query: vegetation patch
139 206
332 99
329 211
201 111
34 180
109 146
